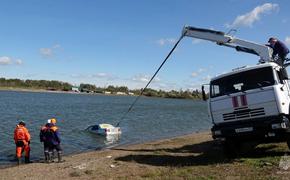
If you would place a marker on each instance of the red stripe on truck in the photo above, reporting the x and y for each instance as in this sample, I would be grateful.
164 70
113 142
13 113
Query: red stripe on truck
235 102
244 100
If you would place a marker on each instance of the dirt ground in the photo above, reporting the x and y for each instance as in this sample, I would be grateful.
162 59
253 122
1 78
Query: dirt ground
194 156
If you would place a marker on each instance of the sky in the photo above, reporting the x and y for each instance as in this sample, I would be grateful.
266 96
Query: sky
122 43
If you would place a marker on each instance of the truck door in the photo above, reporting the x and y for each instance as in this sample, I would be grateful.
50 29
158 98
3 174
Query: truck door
283 90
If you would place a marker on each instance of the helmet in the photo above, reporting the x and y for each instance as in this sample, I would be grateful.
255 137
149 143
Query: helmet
21 123
53 120
272 39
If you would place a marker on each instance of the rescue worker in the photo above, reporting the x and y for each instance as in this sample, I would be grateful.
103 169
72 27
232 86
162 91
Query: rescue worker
53 140
22 141
44 140
279 48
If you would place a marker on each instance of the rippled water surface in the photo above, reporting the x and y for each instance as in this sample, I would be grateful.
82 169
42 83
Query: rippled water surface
150 119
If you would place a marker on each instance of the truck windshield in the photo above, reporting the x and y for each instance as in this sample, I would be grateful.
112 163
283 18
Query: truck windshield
252 79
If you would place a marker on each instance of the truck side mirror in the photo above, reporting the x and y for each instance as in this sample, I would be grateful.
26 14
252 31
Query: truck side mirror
203 93
284 74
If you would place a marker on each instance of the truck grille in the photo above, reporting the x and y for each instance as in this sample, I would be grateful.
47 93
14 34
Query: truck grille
241 113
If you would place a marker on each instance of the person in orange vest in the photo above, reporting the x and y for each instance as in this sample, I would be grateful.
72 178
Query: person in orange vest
52 138
22 141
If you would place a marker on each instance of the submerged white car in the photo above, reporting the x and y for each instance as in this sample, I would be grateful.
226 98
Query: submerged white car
104 129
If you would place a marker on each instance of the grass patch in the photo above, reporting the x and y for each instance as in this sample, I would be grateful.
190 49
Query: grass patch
265 155
152 174
261 162
194 173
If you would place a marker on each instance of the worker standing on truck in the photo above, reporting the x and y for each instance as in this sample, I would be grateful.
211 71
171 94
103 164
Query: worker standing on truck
279 48
22 142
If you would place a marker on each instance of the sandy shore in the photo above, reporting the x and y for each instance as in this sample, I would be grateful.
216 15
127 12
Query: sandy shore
194 156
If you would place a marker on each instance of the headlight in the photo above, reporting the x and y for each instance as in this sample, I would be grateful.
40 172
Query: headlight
218 132
283 125
279 126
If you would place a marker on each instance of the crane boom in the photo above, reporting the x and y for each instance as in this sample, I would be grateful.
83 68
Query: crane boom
219 37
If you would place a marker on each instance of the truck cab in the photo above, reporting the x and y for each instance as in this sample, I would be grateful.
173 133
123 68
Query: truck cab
251 103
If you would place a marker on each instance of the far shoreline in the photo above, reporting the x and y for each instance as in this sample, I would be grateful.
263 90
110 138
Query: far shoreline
49 91
82 93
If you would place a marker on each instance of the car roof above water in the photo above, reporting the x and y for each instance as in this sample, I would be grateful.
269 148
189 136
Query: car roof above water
103 126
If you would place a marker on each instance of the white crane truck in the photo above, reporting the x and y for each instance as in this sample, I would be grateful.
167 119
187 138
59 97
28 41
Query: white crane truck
250 104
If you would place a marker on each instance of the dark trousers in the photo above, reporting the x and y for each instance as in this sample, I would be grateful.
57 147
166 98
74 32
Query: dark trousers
45 147
49 152
55 147
280 60
22 146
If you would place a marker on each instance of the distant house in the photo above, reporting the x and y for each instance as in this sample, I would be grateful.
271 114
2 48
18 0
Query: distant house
75 89
121 93
131 94
107 92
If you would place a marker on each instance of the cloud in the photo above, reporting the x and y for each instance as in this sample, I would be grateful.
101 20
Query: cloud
56 46
18 61
193 86
199 71
46 52
4 60
94 76
31 75
49 52
194 74
141 78
104 76
251 17
206 78
79 76
287 40
101 75
167 86
166 41
144 78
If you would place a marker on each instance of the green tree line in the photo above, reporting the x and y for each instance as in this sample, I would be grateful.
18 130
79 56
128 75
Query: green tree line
35 84
170 94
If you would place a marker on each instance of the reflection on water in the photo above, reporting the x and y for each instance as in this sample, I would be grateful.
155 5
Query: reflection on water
111 139
149 119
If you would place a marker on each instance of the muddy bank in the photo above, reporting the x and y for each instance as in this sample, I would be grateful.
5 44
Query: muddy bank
194 156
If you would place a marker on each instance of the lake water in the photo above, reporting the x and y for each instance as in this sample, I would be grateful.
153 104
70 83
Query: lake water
149 119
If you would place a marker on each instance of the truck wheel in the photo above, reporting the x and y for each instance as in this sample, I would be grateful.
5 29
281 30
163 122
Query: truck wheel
247 147
288 143
230 148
